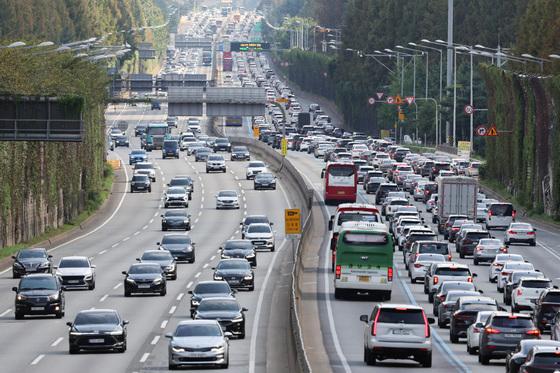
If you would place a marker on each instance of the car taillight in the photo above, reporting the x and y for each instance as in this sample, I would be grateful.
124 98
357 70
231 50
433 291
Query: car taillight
441 297
374 325
338 270
449 257
436 280
504 249
426 325
469 279
418 265
390 274
512 232
490 213
456 229
519 292
478 248
426 192
530 233
490 330
533 332
504 273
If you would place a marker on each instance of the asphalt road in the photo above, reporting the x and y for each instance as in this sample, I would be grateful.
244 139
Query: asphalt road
41 344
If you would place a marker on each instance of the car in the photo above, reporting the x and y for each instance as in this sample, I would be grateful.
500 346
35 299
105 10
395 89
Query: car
97 330
155 105
447 226
227 199
412 341
201 154
39 294
194 124
121 140
261 236
487 249
541 359
445 288
209 289
468 240
498 263
441 272
183 181
170 148
222 144
447 306
172 121
373 183
250 219
383 190
144 278
76 272
507 269
264 180
521 232
31 260
513 279
139 183
145 168
517 357
176 219
140 129
215 162
180 246
198 343
453 230
417 267
115 131
227 311
176 196
473 332
464 314
240 153
164 259
501 334
429 247
239 249
253 168
528 290
237 273
138 155
192 147
546 308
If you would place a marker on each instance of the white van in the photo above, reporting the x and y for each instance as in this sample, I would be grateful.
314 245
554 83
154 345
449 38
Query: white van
499 215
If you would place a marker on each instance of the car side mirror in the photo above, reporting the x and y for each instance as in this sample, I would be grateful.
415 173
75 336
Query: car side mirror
49 256
364 318
158 243
93 266
244 309
555 287
481 291
213 268
13 256
228 335
69 323
534 229
124 272
125 322
14 289
479 325
138 259
189 292
474 275
431 320
271 223
169 335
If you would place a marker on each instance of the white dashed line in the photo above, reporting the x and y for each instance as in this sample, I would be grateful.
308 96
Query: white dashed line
205 266
155 340
115 244
189 284
245 212
199 213
144 357
245 206
151 221
117 286
232 237
212 257
37 359
155 214
5 312
103 298
136 233
197 275
145 227
172 310
164 324
202 199
180 296
102 252
126 239
55 343
239 184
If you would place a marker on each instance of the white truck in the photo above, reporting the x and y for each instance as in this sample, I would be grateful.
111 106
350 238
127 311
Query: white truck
457 195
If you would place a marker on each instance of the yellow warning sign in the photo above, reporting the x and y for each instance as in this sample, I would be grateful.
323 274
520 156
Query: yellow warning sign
256 132
292 221
398 100
284 146
282 100
492 131
114 163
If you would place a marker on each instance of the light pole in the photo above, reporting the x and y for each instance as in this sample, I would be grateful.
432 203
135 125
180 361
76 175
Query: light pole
538 60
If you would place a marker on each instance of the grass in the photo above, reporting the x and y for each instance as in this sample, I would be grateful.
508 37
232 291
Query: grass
91 207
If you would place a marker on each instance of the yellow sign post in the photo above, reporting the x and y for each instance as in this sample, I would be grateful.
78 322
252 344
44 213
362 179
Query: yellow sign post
284 146
292 221
282 100
114 163
256 132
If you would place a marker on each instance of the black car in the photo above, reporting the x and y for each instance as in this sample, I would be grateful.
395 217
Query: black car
33 260
201 154
240 153
209 289
222 144
546 307
252 219
39 294
121 140
236 272
447 306
170 148
466 243
176 219
180 246
156 105
140 129
139 183
465 310
542 359
164 259
265 180
239 249
144 278
518 356
383 190
97 330
184 181
226 311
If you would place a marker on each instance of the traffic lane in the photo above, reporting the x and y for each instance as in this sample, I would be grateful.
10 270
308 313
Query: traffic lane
259 202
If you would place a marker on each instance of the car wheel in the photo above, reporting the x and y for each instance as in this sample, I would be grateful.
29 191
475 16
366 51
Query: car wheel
507 242
272 248
15 275
174 276
441 323
172 366
533 243
471 350
59 314
226 364
19 315
92 286
431 297
123 348
252 288
126 293
73 350
188 227
461 255
150 190
483 359
453 337
412 280
163 228
475 262
427 361
369 358
206 170
190 196
163 292
131 190
337 294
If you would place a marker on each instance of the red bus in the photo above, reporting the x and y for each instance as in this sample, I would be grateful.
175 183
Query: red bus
341 182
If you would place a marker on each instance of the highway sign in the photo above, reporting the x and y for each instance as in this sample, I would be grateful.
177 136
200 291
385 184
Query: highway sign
480 130
282 100
492 131
469 109
256 132
398 100
292 221
284 146
464 149
390 100
371 100
402 117
409 99
379 95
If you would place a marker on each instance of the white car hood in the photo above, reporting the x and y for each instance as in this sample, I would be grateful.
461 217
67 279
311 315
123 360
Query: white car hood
73 271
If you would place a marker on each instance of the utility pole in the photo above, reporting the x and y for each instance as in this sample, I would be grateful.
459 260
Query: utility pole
449 60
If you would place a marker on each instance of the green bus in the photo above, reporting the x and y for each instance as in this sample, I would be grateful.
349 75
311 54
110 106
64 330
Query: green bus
364 260
154 136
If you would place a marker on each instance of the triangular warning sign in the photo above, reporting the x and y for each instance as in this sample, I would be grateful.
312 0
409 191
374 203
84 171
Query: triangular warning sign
492 131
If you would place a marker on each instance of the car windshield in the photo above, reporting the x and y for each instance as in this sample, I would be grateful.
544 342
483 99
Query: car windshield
256 164
433 248
89 318
521 226
144 269
479 306
180 213
180 181
215 158
430 258
157 255
193 330
254 228
138 152
490 242
215 287
552 297
143 166
139 178
512 321
547 359
234 264
29 254
400 316
536 284
452 296
518 266
227 193
450 271
357 216
73 263
175 240
176 190
218 305
265 176
38 283
449 286
475 236
505 209
233 245
509 258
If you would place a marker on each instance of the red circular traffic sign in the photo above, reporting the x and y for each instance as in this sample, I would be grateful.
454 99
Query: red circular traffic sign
371 100
481 130
469 109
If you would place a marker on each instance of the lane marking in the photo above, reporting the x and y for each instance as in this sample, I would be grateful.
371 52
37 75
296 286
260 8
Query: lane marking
180 296
102 252
145 227
37 359
205 266
197 275
115 245
212 257
189 284
58 340
164 324
126 239
151 221
136 233
5 312
117 286
103 298
155 213
144 357
172 309
155 340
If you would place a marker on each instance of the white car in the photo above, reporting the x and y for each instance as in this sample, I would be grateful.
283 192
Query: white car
507 269
417 269
176 196
498 264
473 332
527 292
76 272
253 168
441 272
194 125
145 168
227 199
261 236
521 232
215 162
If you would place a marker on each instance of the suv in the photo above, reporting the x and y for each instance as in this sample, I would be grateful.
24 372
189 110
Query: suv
429 247
170 148
437 167
448 305
501 334
176 196
444 228
546 307
223 144
215 162
31 260
39 294
383 190
466 242
527 292
441 272
397 331
140 183
464 314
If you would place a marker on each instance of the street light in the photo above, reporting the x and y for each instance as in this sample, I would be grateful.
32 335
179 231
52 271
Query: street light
555 56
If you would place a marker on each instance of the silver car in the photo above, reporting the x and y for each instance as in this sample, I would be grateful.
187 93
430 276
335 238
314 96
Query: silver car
417 268
487 249
200 343
227 199
76 272
473 332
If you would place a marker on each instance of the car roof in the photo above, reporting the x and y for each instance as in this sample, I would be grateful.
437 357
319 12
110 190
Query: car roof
452 265
99 310
477 299
194 322
400 305
75 257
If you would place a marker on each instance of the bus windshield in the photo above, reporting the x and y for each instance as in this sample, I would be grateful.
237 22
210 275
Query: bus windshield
156 130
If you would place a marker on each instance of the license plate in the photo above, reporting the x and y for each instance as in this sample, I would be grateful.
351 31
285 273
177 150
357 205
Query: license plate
401 332
363 278
143 286
197 354
512 335
37 308
96 340
73 281
340 192
140 187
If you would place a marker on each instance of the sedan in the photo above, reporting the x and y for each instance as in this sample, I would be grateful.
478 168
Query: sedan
261 236
250 219
176 197
417 269
164 259
39 294
226 311
465 313
200 343
180 246
76 272
253 168
227 199
239 249
209 289
265 180
136 156
487 249
201 154
236 272
176 219
240 153
144 278
97 329
447 305
473 332
33 260
121 140
521 232
516 358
